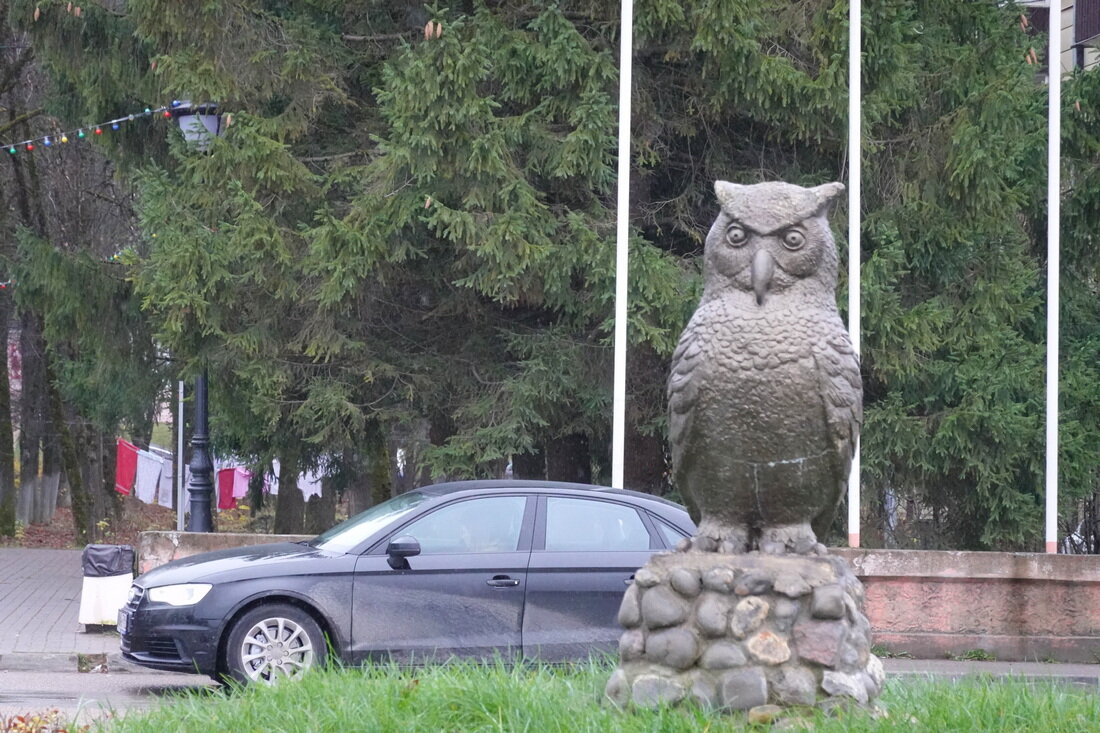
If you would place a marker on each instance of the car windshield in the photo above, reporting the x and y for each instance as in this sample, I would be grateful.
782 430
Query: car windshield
354 530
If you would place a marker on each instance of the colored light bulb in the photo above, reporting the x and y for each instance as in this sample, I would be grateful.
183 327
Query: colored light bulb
30 146
114 125
99 131
80 133
47 142
64 138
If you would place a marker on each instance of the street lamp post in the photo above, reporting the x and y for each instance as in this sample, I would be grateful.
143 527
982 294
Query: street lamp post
199 123
201 487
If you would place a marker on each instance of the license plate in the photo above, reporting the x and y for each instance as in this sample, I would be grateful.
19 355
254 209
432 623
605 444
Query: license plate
123 619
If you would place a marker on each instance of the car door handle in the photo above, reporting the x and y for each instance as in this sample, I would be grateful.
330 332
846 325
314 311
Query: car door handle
502 581
629 580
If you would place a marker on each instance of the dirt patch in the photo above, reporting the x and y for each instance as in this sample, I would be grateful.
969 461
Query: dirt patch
59 534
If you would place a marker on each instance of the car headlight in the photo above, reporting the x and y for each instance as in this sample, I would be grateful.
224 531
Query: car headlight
187 594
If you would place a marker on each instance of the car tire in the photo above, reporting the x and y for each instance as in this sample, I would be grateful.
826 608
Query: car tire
272 642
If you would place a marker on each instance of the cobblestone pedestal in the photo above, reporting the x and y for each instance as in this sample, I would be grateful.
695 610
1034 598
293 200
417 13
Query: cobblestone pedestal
735 632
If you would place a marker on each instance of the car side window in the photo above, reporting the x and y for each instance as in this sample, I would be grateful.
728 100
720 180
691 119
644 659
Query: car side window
671 534
491 524
586 525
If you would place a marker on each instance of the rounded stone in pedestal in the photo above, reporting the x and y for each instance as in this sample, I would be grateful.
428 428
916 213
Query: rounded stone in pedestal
819 641
662 607
840 684
791 585
650 690
722 655
748 615
646 578
704 691
712 614
685 582
741 689
632 645
794 685
828 602
784 612
618 688
719 579
630 610
768 648
875 677
677 648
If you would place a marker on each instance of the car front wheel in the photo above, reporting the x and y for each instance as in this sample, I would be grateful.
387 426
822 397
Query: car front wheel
273 642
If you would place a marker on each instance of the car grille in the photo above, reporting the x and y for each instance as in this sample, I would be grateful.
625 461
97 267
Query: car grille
163 647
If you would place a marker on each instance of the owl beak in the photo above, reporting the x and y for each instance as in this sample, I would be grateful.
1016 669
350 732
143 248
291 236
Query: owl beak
763 267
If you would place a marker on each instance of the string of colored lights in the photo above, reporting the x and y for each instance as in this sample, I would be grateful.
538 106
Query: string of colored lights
80 133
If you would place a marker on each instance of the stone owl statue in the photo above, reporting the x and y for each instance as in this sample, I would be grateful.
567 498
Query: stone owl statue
765 398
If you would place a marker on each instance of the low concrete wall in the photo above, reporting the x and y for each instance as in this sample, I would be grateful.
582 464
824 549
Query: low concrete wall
158 548
1013 606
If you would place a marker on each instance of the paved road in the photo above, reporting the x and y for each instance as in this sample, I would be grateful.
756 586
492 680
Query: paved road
41 639
84 697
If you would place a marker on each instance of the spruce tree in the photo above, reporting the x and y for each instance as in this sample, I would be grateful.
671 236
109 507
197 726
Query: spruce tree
410 223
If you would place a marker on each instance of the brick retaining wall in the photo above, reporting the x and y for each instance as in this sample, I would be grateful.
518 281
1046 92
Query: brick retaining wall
1014 606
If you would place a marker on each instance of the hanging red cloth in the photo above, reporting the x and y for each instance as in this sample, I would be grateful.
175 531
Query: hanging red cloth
226 499
126 460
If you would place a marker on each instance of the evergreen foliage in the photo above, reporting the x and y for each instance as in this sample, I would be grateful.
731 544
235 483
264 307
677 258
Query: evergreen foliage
411 220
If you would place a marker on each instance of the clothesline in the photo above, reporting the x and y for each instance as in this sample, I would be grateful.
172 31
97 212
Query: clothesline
150 478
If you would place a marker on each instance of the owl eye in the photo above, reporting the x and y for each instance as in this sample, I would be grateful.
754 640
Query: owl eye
736 236
793 240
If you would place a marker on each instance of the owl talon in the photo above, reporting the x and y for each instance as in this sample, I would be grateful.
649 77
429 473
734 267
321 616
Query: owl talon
717 537
794 539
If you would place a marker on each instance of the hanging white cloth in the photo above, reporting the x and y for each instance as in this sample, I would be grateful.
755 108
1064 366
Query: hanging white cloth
309 484
273 478
148 476
167 487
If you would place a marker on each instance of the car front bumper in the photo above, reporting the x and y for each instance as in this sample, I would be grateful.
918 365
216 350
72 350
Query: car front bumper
169 638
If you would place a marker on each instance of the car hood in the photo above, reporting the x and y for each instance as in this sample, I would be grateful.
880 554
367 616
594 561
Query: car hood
255 561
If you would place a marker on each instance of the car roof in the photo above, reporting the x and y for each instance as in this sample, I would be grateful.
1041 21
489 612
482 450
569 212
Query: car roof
538 487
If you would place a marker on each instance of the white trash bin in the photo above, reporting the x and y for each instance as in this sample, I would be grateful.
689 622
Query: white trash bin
108 574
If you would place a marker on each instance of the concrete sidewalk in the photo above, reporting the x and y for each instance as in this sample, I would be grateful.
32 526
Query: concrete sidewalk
39 608
39 631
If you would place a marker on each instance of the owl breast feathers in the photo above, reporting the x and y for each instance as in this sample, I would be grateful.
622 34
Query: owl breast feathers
765 397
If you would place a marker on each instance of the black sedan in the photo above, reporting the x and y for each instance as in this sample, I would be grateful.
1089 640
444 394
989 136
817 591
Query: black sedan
466 569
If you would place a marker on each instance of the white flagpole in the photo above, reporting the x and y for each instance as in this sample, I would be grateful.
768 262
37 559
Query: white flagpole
855 124
622 242
1054 186
180 499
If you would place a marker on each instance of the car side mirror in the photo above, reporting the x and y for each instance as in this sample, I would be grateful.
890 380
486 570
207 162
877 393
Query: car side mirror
401 548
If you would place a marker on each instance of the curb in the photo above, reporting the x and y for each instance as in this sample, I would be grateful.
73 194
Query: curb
71 662
900 669
1080 674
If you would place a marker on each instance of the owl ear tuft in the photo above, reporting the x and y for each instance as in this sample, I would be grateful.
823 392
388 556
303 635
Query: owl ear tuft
826 192
726 192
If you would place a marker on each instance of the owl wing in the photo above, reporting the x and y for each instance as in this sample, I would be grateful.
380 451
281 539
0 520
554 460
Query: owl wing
683 394
842 396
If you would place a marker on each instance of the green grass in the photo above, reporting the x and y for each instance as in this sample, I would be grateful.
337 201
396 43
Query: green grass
470 698
162 436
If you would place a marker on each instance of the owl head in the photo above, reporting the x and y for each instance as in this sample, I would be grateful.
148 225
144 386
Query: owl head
770 238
